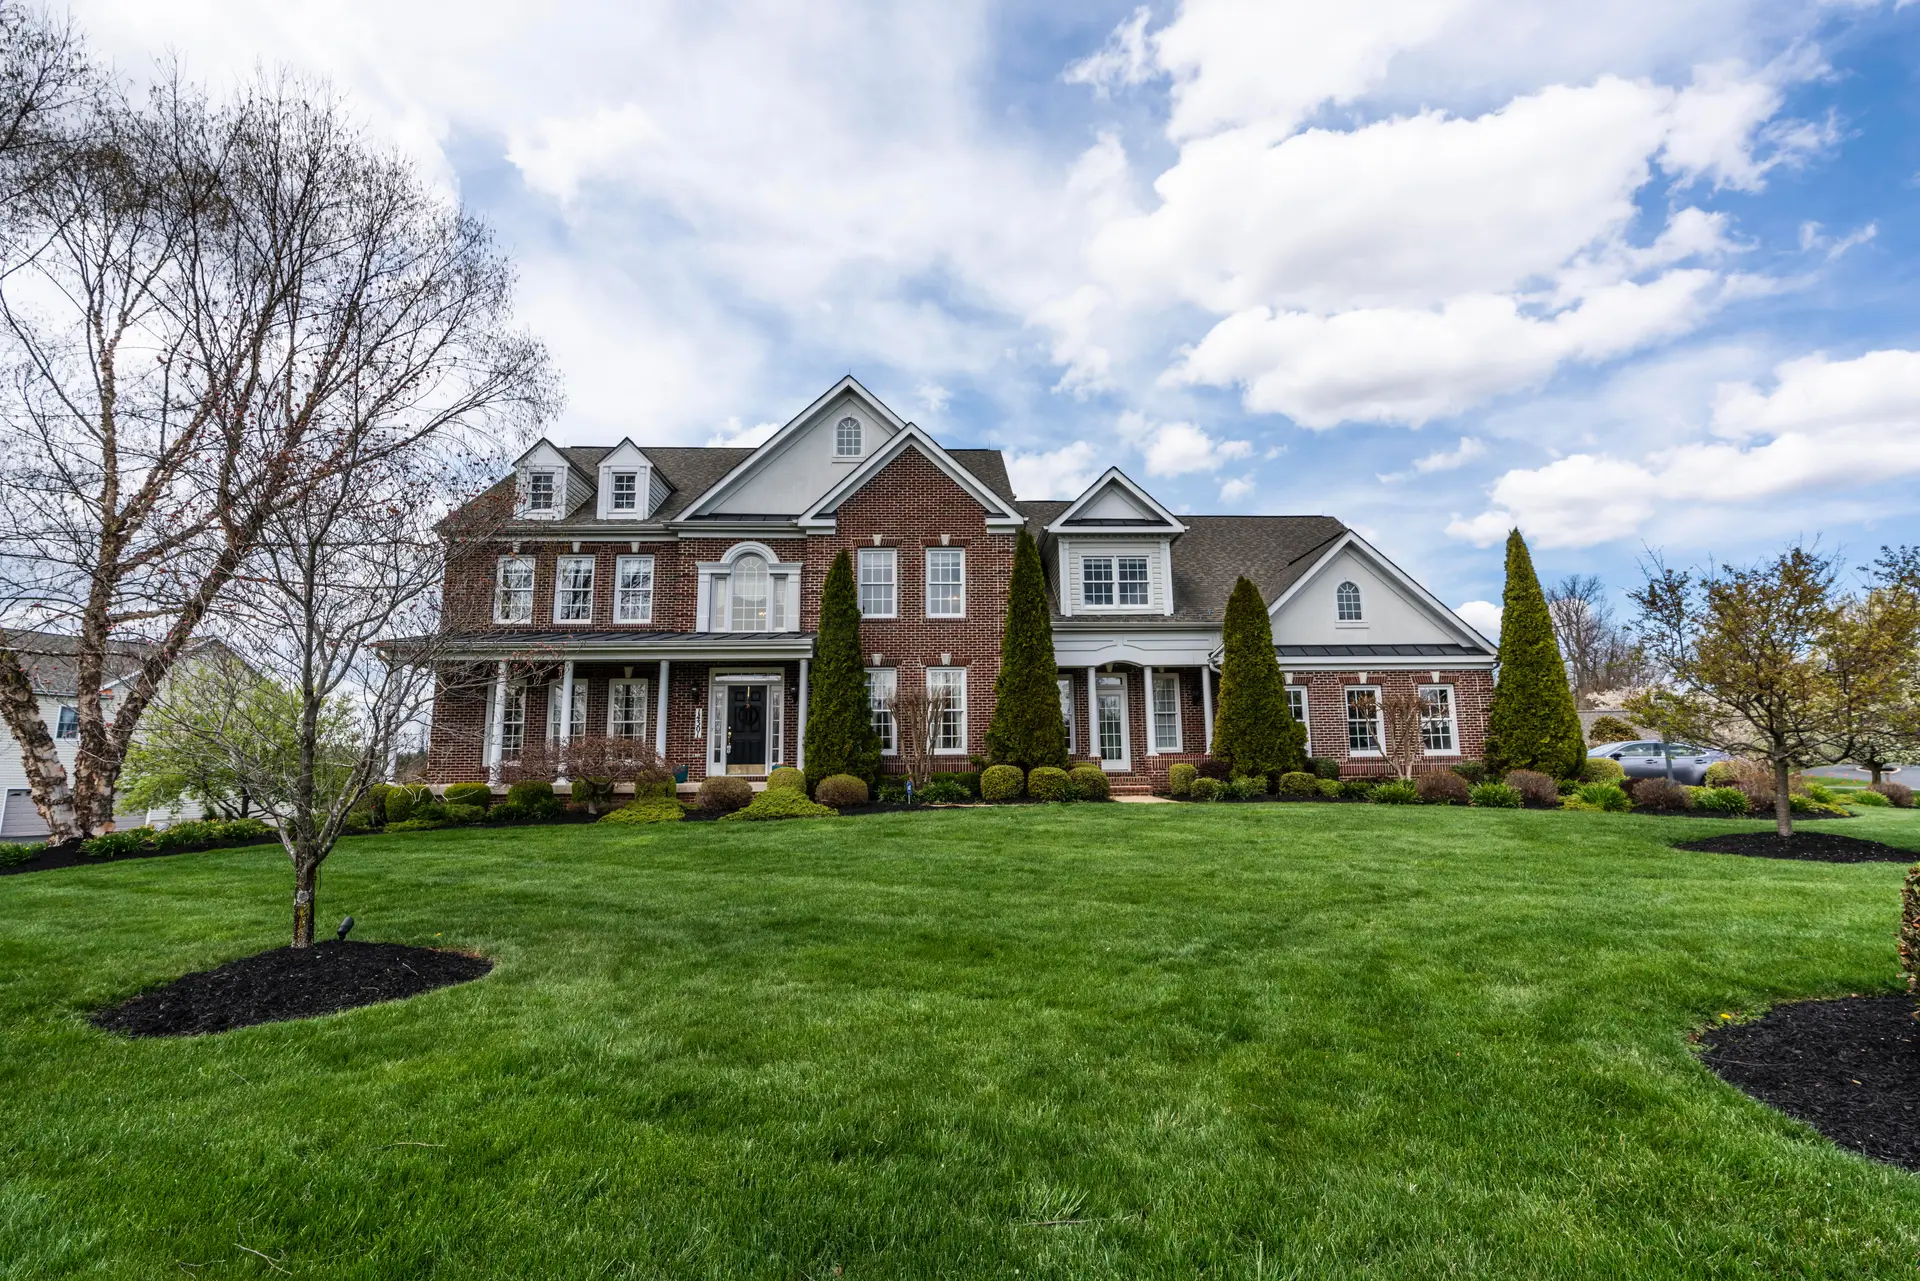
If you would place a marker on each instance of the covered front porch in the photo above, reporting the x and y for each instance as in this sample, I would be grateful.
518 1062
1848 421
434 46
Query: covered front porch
1137 702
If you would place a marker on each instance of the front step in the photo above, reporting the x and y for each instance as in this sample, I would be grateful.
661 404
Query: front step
1130 789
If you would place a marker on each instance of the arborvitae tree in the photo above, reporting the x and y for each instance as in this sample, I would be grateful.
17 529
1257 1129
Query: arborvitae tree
1532 723
1253 728
1027 728
840 737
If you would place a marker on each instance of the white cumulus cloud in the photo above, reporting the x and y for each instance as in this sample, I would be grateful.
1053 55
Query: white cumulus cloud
1481 615
1057 473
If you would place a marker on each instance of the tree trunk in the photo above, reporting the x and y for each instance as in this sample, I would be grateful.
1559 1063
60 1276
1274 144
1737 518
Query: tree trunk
306 884
1875 771
1782 802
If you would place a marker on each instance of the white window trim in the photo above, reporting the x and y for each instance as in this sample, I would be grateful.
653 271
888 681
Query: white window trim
964 729
860 443
1379 725
926 574
525 509
1453 719
559 567
619 564
721 571
1361 620
893 673
1088 552
646 708
614 475
1067 701
499 588
892 556
581 701
1122 764
1160 681
1306 707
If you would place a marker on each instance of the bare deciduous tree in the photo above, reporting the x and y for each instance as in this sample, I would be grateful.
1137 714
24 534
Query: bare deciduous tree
1402 711
917 716
1600 654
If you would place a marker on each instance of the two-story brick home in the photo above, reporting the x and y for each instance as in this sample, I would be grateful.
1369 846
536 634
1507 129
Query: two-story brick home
673 595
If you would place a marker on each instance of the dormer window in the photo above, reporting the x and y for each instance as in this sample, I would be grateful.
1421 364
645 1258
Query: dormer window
540 492
846 438
626 491
1346 603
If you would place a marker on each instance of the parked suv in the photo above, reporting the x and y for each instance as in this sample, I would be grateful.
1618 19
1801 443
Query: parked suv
1643 760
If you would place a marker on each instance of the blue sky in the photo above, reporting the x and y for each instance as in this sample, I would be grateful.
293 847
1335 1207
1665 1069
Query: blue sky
1627 275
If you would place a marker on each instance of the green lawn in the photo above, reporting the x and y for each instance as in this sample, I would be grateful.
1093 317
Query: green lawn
1258 1041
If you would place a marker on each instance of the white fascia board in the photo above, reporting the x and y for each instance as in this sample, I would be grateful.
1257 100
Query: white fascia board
1113 475
1160 647
999 511
776 442
1405 581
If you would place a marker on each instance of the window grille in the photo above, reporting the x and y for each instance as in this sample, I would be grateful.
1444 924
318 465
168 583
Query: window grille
1436 718
877 572
1363 721
749 603
951 736
881 684
946 582
633 590
573 590
626 491
1347 602
846 438
1133 580
513 602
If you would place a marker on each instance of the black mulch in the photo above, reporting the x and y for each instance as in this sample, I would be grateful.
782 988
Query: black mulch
1850 1068
1815 847
69 855
288 983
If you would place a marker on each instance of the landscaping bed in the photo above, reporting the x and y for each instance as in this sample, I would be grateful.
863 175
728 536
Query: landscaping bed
1850 1068
1814 847
75 854
288 983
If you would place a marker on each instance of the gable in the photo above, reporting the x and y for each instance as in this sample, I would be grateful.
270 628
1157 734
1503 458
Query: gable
1393 611
999 512
801 461
1113 503
1114 500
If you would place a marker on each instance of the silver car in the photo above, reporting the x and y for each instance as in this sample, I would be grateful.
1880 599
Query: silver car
1644 760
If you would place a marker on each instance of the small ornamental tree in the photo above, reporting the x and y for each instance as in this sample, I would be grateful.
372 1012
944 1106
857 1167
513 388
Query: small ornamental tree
1532 723
1027 728
840 737
1253 729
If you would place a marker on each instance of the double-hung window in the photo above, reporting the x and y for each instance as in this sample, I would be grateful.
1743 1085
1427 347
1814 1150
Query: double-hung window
1109 582
947 689
1363 721
626 491
881 684
877 582
513 722
633 589
1436 720
1096 580
1166 712
1066 709
541 492
573 590
513 594
1297 706
69 726
626 709
946 582
1132 573
578 725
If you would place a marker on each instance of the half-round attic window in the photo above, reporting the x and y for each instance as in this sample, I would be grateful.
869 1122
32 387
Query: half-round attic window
1346 602
846 438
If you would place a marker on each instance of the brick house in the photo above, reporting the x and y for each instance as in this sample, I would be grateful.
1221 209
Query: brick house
674 594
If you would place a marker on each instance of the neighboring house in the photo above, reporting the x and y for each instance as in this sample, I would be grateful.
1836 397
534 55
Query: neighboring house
632 571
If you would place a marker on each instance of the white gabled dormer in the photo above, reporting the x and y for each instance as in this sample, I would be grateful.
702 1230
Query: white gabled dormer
629 489
546 486
1114 550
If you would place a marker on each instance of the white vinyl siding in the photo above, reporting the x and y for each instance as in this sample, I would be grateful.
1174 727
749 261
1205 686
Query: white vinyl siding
946 582
627 709
633 589
513 590
1363 721
951 737
1438 733
879 575
573 589
1104 578
881 684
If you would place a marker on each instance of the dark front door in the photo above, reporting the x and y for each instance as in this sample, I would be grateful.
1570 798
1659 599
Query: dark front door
747 729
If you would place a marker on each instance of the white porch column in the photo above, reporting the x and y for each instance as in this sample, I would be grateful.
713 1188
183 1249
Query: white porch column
1093 713
1146 679
1206 702
800 737
566 713
497 728
660 715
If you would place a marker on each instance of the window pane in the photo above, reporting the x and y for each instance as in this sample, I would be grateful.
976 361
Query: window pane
949 684
514 603
846 438
1347 602
749 612
540 491
877 565
573 590
1111 703
1066 710
513 722
1363 720
946 582
880 688
1436 718
626 491
1166 713
633 596
69 723
1133 580
627 709
1096 580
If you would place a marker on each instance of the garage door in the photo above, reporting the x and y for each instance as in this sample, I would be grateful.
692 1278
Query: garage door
19 821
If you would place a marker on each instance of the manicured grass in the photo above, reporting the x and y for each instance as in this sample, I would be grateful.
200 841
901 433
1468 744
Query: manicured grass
1123 1041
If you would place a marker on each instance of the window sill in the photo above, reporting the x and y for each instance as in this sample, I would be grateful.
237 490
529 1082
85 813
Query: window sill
878 618
1440 755
850 459
946 618
1361 627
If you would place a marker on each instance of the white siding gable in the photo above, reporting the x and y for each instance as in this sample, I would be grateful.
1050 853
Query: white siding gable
801 468
1073 554
1390 615
570 489
649 488
1115 503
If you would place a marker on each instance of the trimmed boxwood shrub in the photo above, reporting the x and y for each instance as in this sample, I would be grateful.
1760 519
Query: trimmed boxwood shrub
653 809
1049 783
780 802
469 794
1442 787
1002 783
1243 787
528 792
1472 771
1089 783
788 777
376 799
1495 796
725 793
1298 783
1534 787
1897 794
841 791
464 815
1206 789
1397 792
1180 778
1323 767
508 812
1330 788
1601 769
1661 796
399 805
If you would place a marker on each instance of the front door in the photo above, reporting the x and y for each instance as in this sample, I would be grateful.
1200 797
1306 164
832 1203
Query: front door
746 729
1110 697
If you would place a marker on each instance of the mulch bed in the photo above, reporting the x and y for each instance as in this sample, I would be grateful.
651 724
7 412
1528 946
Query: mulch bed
1850 1068
288 983
1815 847
69 855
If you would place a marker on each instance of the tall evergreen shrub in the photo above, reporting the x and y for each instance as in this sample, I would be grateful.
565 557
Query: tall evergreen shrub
1253 728
1027 729
1532 724
840 737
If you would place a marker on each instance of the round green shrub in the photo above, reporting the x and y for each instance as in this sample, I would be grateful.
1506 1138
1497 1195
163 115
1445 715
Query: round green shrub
377 801
841 791
1323 767
725 793
399 805
528 792
1243 787
1495 796
1865 796
508 812
1002 783
1206 789
1398 792
1537 789
1298 783
788 777
1601 769
465 815
1049 783
778 803
1090 783
1330 788
469 794
1443 787
653 809
1180 778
